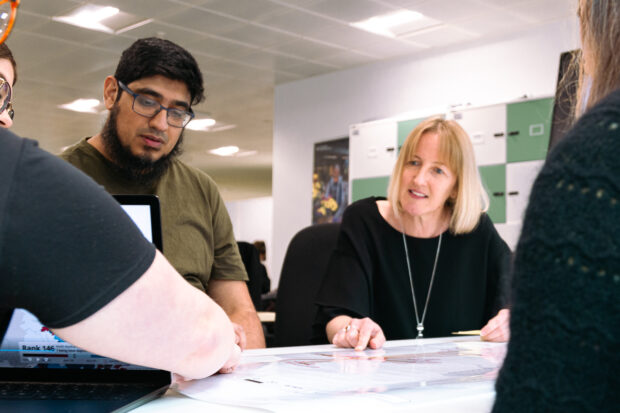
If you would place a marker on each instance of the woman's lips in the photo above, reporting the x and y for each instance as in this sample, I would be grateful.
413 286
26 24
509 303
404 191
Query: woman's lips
417 194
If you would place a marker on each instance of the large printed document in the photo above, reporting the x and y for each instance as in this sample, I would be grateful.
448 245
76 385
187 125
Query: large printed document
433 374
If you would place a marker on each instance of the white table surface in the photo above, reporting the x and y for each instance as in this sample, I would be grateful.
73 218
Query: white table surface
448 401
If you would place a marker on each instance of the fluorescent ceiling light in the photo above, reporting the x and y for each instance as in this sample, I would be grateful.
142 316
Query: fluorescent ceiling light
90 16
201 124
225 151
396 24
82 105
102 18
246 153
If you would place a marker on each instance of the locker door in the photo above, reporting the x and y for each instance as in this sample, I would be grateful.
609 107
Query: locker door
486 128
520 177
365 187
372 149
494 180
404 129
528 125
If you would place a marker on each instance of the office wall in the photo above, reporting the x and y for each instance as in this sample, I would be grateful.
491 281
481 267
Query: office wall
252 221
322 108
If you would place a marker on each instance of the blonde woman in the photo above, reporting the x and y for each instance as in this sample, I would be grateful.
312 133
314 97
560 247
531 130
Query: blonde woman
564 352
427 261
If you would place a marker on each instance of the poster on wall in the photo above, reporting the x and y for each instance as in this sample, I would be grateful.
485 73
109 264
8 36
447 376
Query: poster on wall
330 180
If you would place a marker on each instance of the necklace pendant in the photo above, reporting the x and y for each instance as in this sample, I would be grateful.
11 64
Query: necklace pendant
420 330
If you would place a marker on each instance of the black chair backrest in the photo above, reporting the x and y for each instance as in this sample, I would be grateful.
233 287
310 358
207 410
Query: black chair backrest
259 282
303 269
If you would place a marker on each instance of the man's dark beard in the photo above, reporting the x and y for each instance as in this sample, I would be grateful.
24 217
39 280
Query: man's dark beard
140 170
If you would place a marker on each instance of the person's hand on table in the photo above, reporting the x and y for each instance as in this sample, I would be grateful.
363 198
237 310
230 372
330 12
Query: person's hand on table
239 346
240 338
233 360
498 328
360 333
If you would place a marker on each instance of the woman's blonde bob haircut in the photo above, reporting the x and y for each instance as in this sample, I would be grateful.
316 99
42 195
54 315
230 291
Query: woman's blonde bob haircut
457 153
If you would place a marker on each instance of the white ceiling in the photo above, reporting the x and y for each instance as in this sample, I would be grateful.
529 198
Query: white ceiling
244 48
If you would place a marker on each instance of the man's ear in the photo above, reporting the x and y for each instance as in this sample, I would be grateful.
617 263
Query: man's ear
110 91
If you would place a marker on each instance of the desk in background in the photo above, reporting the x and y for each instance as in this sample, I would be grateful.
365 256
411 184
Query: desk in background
266 316
429 375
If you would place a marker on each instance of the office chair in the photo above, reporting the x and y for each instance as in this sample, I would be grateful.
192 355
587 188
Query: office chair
303 269
259 282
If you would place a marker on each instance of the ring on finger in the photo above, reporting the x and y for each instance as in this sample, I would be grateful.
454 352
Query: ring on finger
349 327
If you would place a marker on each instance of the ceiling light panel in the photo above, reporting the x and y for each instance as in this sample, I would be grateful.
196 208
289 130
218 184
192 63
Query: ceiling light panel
443 36
395 24
105 19
350 10
449 11
82 105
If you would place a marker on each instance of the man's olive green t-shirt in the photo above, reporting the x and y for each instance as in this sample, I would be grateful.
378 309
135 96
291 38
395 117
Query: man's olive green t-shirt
198 237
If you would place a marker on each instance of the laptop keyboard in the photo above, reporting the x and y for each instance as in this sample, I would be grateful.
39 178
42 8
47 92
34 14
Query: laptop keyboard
71 391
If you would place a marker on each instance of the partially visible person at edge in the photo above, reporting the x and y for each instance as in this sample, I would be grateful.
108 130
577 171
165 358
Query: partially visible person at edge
427 259
150 99
564 350
338 189
56 225
8 78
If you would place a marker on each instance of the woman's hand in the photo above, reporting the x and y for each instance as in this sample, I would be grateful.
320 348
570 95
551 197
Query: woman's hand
498 328
354 332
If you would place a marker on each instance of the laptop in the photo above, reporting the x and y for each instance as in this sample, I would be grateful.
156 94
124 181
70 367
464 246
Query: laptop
39 372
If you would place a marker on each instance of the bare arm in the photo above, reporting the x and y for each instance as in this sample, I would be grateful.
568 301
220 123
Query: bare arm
160 321
234 298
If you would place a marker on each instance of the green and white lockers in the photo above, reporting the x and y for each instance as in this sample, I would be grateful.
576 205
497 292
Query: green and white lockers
510 141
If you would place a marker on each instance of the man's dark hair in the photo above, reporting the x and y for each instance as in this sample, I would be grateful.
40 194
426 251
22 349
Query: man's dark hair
5 53
153 56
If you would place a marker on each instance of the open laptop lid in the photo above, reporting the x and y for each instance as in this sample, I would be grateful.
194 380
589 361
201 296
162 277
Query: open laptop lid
145 213
31 352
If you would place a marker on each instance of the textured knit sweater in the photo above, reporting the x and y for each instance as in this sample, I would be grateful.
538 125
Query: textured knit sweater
564 351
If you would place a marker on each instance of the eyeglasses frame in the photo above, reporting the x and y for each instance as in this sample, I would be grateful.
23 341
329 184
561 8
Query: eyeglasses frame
9 105
161 107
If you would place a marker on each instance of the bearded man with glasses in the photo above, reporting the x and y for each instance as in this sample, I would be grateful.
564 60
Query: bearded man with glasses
150 100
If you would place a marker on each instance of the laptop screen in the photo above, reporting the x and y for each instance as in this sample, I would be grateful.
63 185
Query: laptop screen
29 344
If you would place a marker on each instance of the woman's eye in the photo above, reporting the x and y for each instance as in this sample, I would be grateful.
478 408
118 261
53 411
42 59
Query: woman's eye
438 170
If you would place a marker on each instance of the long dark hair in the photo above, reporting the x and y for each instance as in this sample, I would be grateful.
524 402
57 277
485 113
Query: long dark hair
600 36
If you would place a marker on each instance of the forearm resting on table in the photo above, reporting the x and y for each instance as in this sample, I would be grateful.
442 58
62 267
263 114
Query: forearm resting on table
248 319
234 298
160 321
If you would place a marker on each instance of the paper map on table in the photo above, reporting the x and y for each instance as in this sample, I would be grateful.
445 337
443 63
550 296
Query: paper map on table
408 373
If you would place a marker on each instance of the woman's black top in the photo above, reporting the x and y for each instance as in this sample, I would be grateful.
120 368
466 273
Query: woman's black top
367 277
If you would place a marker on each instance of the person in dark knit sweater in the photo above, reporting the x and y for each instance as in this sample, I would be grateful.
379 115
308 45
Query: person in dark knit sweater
564 349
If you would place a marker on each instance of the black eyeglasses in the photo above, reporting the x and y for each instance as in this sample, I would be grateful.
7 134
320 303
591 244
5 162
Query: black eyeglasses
148 107
5 97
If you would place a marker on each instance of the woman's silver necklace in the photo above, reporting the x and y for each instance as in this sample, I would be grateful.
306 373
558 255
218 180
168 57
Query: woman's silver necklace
420 322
